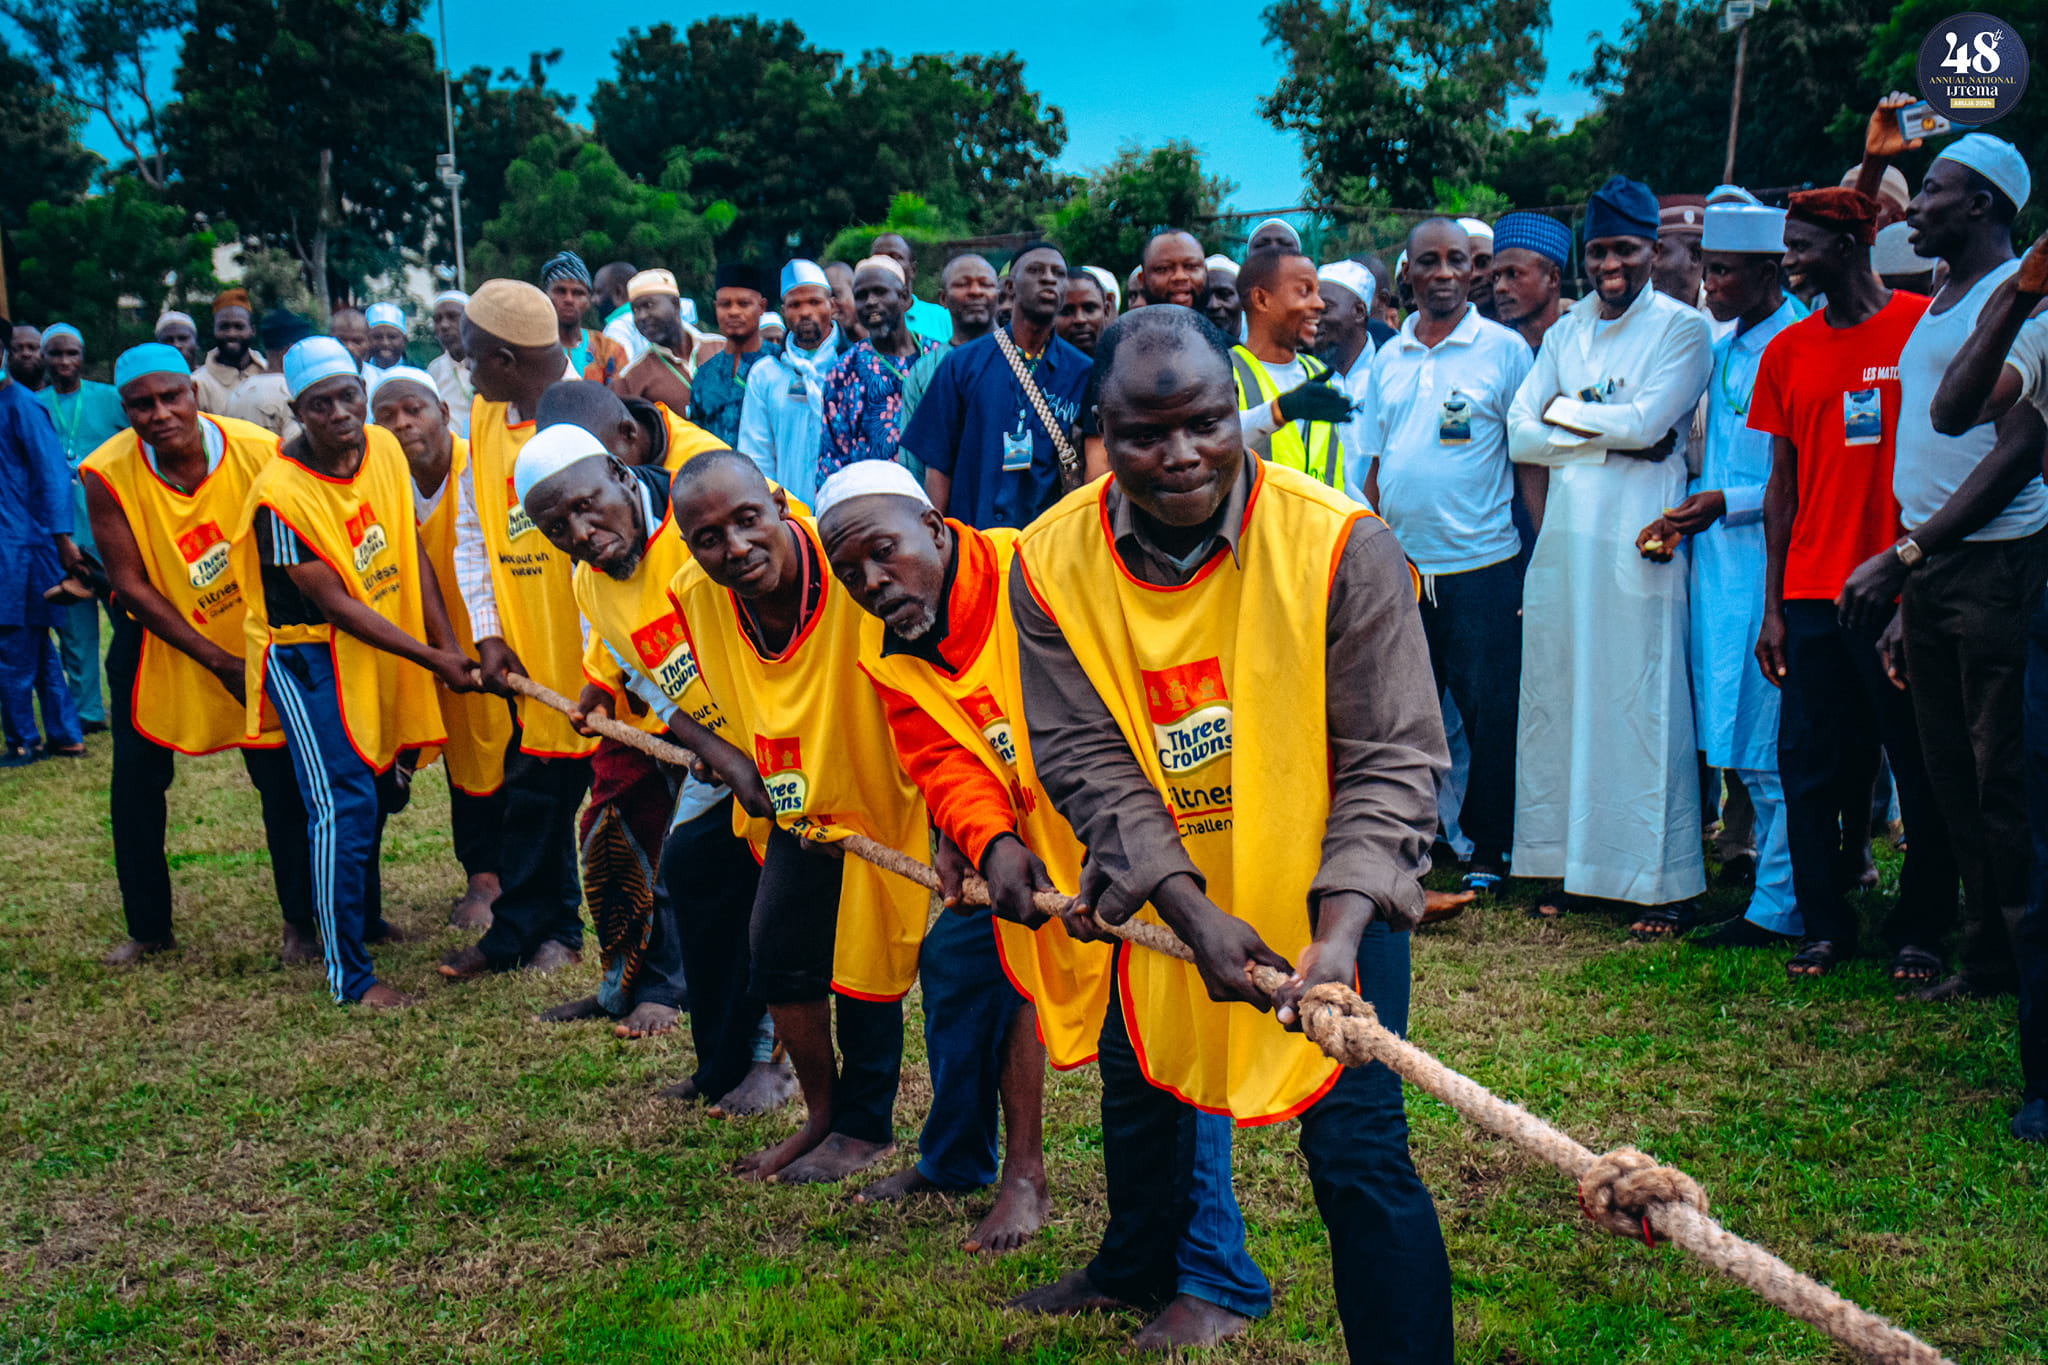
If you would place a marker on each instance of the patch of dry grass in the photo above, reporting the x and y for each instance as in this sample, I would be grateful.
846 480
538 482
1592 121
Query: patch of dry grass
205 1160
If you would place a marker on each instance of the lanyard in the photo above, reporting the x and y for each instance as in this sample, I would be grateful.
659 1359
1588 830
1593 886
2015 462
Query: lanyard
1740 406
69 430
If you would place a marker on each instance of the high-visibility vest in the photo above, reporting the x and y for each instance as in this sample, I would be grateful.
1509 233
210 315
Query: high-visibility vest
1306 446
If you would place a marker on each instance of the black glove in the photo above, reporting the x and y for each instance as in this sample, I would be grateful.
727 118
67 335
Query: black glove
1315 401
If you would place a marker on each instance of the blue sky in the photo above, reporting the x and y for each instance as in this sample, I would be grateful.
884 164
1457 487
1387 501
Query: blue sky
1096 61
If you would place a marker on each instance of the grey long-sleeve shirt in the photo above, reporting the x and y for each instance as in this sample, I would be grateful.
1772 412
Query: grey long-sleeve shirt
1385 726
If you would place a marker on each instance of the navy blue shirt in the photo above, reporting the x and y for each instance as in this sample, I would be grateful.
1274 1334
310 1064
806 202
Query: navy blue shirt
974 402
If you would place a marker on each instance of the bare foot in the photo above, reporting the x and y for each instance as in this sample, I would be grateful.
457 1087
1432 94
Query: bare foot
298 946
552 957
464 964
646 1020
135 949
382 997
766 1163
1190 1322
389 933
768 1085
473 911
902 1185
1021 1209
684 1089
1071 1293
832 1160
1438 906
584 1007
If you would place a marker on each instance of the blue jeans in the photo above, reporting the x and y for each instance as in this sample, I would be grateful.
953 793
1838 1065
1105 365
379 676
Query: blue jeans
969 1003
30 670
344 819
78 643
1390 1272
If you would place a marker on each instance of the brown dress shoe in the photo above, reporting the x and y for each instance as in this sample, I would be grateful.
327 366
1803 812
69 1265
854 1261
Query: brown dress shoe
135 949
552 957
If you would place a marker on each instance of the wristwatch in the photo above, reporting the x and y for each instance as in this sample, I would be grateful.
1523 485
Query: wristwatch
1909 552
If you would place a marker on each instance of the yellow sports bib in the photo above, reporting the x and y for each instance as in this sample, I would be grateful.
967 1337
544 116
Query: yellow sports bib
363 529
1235 654
531 582
639 620
182 539
821 741
479 725
982 710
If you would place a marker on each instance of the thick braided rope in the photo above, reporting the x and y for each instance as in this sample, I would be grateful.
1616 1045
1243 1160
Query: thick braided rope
1623 1191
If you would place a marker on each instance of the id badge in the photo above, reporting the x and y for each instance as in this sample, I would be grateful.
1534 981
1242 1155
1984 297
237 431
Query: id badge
1597 393
1016 450
797 389
1862 417
1454 420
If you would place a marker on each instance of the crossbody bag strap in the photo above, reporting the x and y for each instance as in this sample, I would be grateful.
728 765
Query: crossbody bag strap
1070 462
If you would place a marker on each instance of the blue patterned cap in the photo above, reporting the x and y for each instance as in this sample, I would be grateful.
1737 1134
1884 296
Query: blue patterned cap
1535 232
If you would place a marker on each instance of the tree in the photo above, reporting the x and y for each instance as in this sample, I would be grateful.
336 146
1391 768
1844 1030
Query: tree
1122 204
80 262
802 145
96 51
38 142
314 124
495 123
1393 94
563 193
1664 89
1541 163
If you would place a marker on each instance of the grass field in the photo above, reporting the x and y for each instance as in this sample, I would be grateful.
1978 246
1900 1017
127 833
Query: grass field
204 1159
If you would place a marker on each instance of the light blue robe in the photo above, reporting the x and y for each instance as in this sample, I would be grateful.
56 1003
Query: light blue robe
1735 710
782 420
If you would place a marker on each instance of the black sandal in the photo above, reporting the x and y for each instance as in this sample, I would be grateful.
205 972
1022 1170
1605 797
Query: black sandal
1813 961
1662 922
1914 966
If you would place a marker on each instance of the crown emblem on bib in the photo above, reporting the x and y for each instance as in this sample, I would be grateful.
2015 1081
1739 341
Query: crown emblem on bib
781 762
1190 712
205 552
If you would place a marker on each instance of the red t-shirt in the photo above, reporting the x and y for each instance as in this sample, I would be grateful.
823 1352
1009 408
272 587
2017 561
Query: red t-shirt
1834 393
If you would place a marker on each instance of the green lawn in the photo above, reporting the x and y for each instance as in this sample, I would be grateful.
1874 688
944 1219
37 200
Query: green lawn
204 1159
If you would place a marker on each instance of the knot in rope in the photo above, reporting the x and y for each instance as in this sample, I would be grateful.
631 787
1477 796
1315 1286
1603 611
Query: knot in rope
1619 1189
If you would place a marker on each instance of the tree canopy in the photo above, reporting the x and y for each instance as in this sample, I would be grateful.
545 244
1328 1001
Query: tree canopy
79 261
276 128
1393 95
497 120
802 144
567 193
38 142
1124 203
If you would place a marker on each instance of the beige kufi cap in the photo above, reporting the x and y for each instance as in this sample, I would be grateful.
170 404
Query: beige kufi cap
514 312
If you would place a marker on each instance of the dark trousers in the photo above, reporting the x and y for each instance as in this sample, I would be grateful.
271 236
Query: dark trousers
1392 1277
138 812
477 824
539 898
1473 621
2033 930
345 800
791 934
1837 708
968 1005
1966 613
715 879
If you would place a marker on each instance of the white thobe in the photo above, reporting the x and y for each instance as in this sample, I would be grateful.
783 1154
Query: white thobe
782 421
1606 788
